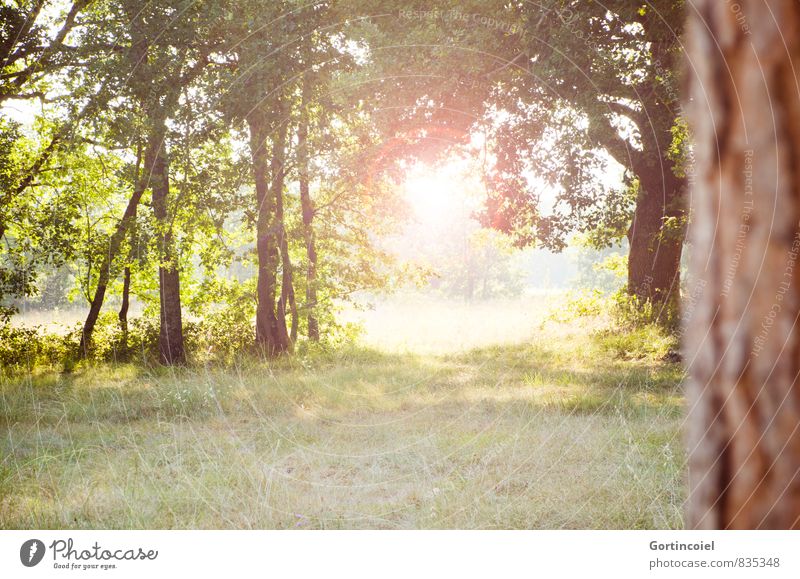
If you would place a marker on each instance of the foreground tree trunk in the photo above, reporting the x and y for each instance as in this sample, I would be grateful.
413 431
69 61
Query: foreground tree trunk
743 339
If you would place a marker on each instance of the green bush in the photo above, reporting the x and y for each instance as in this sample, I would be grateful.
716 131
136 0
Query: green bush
632 312
581 304
649 341
27 348
221 336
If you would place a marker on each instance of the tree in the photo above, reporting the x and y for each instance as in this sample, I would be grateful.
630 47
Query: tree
590 76
32 58
163 57
742 334
559 87
26 52
260 96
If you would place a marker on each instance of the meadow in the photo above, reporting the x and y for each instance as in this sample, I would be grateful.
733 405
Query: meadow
508 414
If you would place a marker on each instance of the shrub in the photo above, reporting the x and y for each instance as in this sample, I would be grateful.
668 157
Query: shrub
581 304
649 341
27 348
630 312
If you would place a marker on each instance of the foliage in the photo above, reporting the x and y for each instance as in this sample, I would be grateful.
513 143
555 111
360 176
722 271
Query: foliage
235 141
602 269
628 329
30 348
645 342
586 303
631 312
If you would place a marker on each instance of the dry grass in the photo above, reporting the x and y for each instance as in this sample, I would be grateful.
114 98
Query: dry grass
553 433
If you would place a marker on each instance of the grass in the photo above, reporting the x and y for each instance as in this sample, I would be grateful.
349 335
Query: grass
559 430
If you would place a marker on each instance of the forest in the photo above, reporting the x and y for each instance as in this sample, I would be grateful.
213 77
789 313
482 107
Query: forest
380 264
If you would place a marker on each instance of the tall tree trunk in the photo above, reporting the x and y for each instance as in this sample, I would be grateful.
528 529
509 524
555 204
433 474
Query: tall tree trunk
657 231
307 207
278 181
170 337
126 274
287 290
104 274
743 336
267 335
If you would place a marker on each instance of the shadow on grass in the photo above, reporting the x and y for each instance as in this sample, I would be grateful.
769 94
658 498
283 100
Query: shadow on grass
547 375
544 434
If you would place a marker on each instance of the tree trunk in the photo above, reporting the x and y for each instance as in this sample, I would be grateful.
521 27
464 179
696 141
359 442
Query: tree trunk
655 238
278 181
307 207
267 335
170 337
104 275
743 337
287 291
657 231
123 309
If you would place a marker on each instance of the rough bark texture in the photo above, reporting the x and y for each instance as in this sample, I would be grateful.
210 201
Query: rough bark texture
742 334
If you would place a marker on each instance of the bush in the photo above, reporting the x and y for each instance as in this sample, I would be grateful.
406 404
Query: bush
650 341
581 304
634 328
221 336
630 312
27 348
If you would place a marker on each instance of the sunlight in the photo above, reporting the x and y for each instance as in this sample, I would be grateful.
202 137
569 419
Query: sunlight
434 193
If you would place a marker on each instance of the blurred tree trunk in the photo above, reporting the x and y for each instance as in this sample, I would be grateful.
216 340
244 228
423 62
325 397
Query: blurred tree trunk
743 340
307 207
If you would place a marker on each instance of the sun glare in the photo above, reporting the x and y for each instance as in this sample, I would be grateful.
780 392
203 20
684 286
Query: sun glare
434 193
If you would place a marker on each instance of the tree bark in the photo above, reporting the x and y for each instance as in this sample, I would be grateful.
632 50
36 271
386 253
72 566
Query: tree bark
654 257
742 336
267 335
287 287
307 207
657 231
123 309
170 337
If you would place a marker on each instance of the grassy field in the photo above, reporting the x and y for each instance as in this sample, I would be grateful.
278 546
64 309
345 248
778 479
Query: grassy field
548 424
